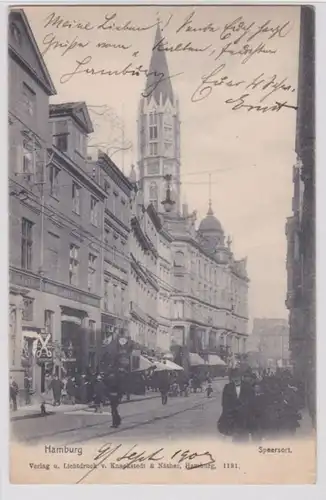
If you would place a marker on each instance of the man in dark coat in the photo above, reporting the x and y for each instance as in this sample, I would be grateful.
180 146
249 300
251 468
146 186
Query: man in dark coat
56 386
99 393
164 387
114 394
71 389
13 388
27 388
237 401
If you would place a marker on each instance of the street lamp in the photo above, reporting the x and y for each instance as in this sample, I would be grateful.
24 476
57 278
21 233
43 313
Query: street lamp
168 203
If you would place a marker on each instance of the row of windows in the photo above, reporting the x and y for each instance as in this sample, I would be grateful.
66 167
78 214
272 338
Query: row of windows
54 174
74 256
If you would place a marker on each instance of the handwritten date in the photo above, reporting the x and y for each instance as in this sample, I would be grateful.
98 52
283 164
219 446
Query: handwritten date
133 456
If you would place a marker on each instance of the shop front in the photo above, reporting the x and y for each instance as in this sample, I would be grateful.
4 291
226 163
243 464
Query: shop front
74 342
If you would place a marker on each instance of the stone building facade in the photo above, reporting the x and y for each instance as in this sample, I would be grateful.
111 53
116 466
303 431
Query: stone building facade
116 248
30 87
209 289
301 299
150 282
269 343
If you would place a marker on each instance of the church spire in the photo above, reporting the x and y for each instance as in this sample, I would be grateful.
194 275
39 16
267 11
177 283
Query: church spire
210 210
158 78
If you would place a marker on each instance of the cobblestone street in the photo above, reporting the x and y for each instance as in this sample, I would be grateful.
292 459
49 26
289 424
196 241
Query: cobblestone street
195 414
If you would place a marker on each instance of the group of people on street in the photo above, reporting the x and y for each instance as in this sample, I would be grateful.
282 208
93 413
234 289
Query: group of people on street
174 385
258 406
93 389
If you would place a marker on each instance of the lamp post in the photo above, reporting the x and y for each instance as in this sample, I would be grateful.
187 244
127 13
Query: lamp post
168 203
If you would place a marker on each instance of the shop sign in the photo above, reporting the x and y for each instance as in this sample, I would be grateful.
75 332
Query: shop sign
44 349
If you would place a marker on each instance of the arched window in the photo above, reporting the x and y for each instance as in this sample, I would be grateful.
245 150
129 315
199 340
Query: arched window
153 194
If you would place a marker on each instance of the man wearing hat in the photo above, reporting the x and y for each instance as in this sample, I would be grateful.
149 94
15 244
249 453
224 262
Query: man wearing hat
237 400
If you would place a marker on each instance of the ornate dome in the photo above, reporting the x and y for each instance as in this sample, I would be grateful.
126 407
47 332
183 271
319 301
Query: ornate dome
210 223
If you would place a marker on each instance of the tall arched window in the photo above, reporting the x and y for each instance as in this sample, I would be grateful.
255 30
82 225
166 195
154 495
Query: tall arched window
153 194
153 133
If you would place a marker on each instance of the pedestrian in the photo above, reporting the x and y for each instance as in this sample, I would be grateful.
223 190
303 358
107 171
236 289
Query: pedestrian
83 388
164 387
99 393
13 392
27 389
258 420
71 389
47 382
209 389
56 386
114 395
237 400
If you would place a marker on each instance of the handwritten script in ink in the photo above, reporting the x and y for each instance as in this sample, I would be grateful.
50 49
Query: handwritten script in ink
135 455
115 47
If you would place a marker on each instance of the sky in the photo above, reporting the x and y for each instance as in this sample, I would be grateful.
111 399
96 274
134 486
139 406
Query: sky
236 52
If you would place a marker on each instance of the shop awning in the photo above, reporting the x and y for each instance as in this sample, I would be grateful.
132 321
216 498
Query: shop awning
168 366
144 364
71 319
196 360
215 360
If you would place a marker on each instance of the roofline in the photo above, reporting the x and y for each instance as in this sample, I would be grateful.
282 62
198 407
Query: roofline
30 33
110 163
70 110
82 175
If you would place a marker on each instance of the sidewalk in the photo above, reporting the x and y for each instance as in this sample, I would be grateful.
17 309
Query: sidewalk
34 411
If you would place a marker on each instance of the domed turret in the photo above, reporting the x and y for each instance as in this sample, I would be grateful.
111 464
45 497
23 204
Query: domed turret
210 224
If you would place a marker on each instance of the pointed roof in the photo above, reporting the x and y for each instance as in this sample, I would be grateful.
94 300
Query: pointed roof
78 110
23 47
159 66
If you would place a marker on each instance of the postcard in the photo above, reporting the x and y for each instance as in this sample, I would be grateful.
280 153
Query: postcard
162 244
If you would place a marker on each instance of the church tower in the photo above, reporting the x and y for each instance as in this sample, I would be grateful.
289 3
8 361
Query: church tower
159 133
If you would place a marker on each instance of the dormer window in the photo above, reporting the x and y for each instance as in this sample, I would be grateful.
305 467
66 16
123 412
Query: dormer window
60 135
80 143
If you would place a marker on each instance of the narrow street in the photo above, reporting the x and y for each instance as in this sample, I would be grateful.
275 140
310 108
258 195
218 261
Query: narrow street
148 419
